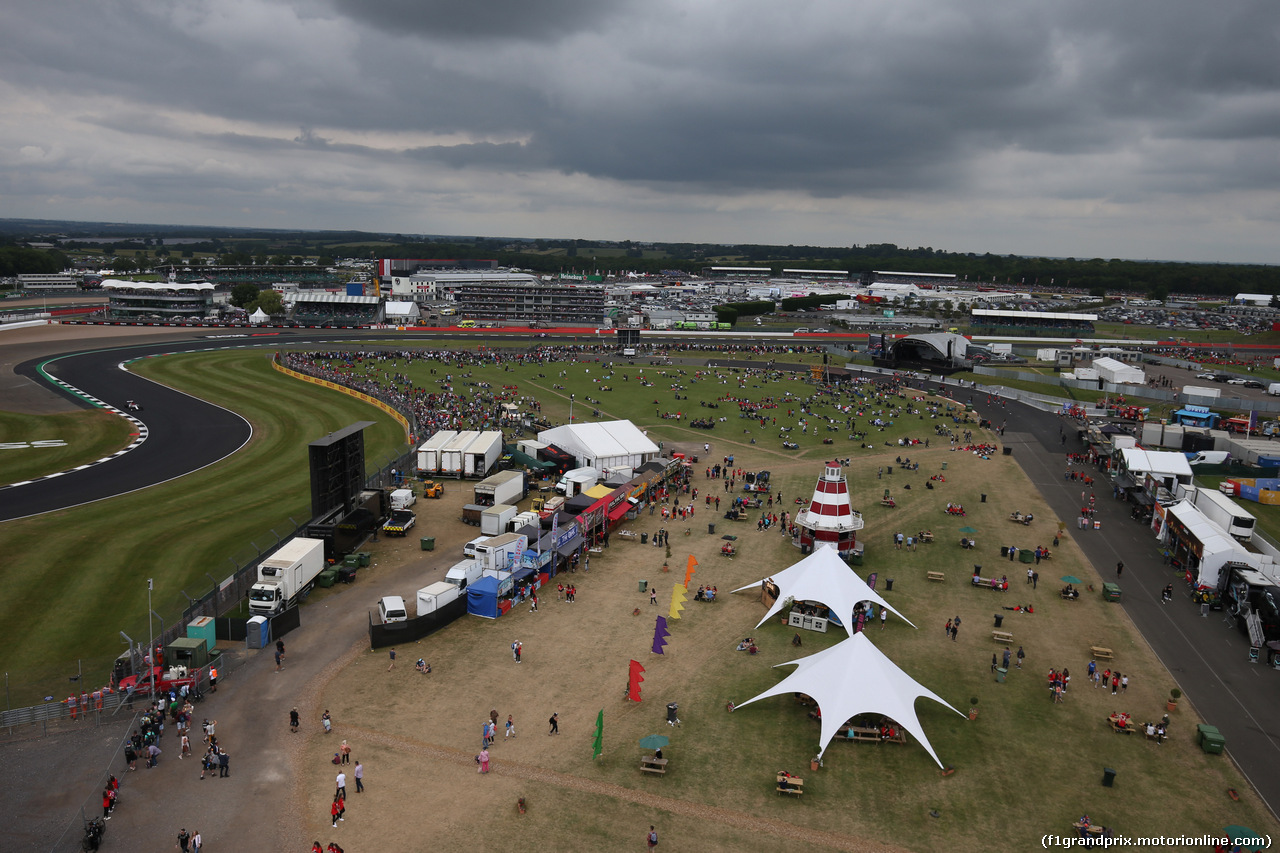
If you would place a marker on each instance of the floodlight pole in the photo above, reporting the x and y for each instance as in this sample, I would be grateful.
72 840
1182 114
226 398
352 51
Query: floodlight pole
148 660
571 399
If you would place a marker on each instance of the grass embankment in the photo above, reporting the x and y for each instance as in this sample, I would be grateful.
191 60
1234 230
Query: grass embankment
74 579
86 435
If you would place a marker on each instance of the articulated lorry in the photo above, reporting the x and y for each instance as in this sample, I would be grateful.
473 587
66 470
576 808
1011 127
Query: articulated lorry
429 452
1225 513
285 576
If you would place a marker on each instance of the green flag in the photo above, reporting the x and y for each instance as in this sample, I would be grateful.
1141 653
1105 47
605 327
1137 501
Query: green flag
598 743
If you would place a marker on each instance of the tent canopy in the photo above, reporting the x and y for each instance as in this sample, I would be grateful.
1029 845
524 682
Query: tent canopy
823 576
854 677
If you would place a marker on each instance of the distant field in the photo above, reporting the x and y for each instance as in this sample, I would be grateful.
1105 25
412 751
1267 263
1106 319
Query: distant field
88 435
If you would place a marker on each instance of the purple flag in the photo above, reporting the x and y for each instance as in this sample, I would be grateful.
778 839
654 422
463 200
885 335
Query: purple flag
660 634
871 580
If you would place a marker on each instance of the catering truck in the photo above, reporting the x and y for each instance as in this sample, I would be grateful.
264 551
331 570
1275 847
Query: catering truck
505 487
498 553
429 452
481 455
577 481
286 575
432 598
1225 513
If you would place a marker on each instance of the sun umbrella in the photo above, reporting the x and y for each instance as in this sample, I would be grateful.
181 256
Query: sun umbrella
654 741
1244 834
1070 579
967 529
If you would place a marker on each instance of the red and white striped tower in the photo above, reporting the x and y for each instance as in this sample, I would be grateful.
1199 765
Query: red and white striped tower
830 518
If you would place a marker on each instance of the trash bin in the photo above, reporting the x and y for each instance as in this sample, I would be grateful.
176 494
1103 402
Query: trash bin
365 558
999 617
711 528
888 584
644 538
1001 672
428 543
983 499
351 561
1111 592
1004 550
1213 743
856 558
327 577
1008 451
644 586
1108 777
944 466
1027 555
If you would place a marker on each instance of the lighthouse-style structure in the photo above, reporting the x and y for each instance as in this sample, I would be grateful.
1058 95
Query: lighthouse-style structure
830 518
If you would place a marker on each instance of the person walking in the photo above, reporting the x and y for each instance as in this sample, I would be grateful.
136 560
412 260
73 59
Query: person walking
359 774
1006 657
392 665
511 728
326 721
186 747
1119 568
106 804
293 720
224 765
197 841
1021 655
333 812
483 760
955 628
653 596
516 648
884 616
555 724
652 838
184 841
345 751
341 782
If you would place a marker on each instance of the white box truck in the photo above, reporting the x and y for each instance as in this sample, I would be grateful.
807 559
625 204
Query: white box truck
432 598
461 574
494 520
577 481
505 487
498 553
286 575
452 455
429 452
482 454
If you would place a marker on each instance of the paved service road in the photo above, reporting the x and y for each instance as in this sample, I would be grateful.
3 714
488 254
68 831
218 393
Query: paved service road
1208 658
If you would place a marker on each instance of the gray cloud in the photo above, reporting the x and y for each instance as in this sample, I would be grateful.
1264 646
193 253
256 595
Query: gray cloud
817 118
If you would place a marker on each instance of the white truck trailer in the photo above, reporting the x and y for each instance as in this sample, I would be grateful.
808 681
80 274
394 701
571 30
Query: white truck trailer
453 454
505 487
432 598
429 452
482 454
286 575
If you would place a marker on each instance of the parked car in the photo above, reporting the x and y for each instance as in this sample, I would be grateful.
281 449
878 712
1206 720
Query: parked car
1206 376
1237 381
1253 383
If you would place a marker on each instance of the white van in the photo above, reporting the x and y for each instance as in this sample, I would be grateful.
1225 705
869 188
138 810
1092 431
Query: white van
1274 389
391 609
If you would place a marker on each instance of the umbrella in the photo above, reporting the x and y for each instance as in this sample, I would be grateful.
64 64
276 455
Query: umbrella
1070 579
967 529
654 741
1245 834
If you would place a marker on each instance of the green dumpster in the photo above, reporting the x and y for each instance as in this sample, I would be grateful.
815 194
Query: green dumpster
365 558
644 586
428 543
1027 555
351 561
1001 672
1213 742
1110 592
327 577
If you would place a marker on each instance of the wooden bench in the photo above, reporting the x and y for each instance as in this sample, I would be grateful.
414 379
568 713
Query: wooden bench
937 576
1002 637
794 785
649 764
1087 828
1066 596
869 734
1101 652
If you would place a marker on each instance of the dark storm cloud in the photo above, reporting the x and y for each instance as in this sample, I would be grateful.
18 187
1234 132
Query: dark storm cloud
540 21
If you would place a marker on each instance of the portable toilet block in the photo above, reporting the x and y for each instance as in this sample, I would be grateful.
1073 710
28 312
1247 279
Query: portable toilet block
257 632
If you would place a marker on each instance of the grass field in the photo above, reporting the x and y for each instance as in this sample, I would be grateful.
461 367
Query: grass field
74 579
87 436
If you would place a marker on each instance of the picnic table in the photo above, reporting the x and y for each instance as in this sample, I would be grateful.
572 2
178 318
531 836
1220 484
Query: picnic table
790 784
937 576
650 764
1002 637
1101 652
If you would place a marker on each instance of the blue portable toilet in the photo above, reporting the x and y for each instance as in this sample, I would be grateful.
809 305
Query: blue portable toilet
257 633
482 598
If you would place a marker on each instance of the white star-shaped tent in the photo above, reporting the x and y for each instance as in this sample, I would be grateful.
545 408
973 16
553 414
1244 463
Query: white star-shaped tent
823 576
854 677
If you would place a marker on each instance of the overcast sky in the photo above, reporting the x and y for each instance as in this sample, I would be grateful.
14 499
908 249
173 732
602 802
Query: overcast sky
1139 129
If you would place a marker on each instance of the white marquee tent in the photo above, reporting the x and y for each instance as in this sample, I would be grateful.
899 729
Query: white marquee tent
854 677
608 444
259 316
823 576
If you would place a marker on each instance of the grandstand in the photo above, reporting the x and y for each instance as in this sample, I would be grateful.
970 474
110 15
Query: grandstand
144 300
996 321
335 309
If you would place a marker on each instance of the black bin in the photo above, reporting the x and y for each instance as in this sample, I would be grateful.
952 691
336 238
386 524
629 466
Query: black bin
984 499
1108 777
888 584
644 538
999 619
711 529
1008 451
1004 550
